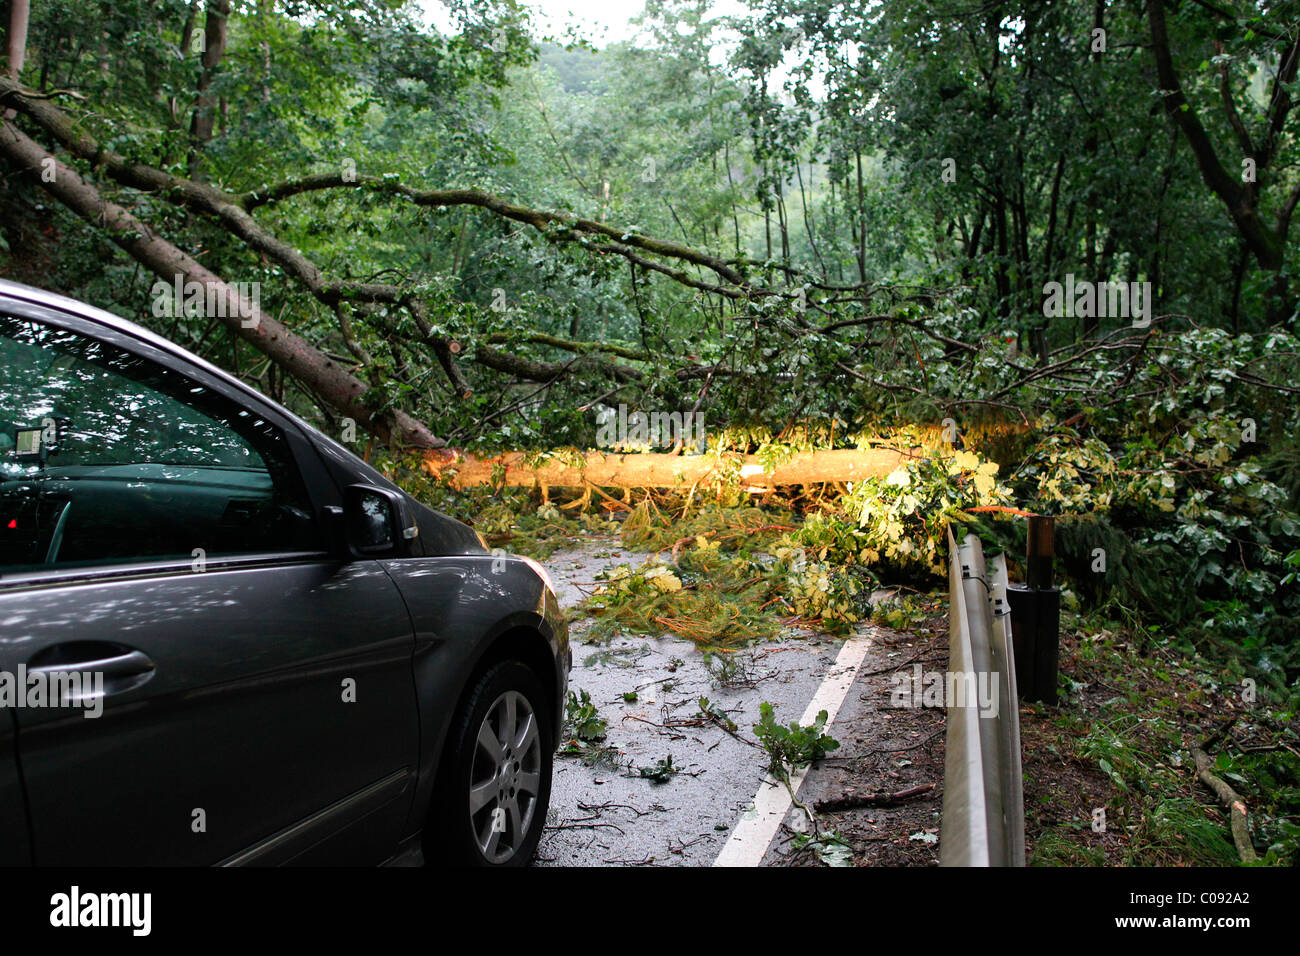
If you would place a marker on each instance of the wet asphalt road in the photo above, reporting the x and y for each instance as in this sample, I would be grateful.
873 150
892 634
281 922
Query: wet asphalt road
607 813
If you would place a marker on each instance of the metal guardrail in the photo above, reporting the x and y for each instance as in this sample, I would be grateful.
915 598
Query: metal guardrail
983 796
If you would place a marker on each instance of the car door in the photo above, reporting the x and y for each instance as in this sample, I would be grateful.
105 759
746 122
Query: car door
164 538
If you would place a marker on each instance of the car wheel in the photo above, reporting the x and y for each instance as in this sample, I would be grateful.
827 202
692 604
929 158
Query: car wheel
493 797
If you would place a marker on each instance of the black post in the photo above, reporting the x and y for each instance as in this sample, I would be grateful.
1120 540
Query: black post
1038 552
1036 616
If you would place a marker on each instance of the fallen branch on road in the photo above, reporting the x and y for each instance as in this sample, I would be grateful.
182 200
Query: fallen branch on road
853 801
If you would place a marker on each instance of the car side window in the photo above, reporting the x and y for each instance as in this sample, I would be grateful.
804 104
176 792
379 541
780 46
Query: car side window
108 457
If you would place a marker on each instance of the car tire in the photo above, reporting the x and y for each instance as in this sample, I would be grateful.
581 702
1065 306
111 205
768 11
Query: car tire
494 788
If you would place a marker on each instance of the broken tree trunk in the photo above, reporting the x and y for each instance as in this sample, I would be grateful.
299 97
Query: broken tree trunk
661 470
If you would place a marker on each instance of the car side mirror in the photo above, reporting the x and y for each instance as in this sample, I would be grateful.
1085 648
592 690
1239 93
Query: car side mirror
377 522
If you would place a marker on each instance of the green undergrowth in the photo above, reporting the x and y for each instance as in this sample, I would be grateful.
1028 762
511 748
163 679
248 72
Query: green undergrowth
1133 705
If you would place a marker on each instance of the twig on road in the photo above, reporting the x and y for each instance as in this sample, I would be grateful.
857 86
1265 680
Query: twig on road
853 801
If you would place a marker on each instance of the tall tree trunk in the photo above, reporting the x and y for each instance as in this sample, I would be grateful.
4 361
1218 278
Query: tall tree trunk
1003 280
1049 250
19 15
735 218
807 216
784 226
205 106
1238 274
862 221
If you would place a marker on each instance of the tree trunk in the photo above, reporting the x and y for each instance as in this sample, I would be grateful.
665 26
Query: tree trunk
214 48
19 15
662 470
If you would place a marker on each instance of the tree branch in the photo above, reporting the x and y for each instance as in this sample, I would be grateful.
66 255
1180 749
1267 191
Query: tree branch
1263 243
295 355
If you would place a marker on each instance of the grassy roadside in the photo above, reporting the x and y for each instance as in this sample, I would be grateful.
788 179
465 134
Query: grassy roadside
1109 775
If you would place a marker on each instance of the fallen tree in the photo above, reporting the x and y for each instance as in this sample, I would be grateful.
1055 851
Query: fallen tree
601 469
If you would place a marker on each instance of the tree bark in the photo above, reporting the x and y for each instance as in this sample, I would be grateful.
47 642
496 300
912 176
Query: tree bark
214 49
19 15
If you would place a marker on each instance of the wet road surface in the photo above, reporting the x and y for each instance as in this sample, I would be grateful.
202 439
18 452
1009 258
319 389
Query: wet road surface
604 811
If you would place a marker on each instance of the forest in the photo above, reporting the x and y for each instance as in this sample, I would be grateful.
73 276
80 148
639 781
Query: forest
778 295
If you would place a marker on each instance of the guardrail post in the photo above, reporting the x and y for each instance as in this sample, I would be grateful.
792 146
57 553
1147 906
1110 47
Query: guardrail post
1039 550
1036 616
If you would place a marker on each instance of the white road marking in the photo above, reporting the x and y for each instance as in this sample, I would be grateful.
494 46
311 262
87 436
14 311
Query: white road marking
753 834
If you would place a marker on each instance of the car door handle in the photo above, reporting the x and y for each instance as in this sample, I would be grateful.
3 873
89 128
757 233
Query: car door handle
123 667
